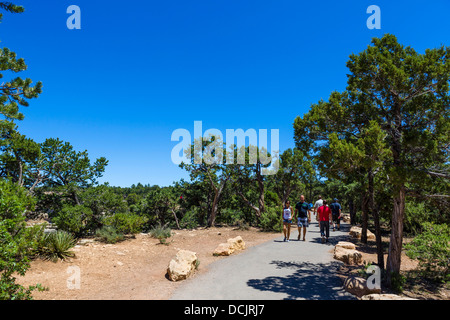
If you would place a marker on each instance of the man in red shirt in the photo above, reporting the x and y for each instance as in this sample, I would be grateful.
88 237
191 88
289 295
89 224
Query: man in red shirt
325 217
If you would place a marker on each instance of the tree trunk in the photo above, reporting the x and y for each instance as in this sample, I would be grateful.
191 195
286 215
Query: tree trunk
259 178
75 198
257 210
215 206
351 208
176 218
365 217
395 245
376 219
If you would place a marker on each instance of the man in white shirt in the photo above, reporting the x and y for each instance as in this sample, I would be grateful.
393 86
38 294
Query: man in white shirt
317 205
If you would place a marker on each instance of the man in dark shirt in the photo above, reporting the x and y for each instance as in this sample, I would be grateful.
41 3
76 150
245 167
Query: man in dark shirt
336 214
303 216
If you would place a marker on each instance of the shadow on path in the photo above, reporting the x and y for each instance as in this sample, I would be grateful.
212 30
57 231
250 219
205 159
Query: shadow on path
311 281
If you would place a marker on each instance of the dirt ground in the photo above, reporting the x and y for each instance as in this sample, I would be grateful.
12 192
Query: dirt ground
415 287
134 269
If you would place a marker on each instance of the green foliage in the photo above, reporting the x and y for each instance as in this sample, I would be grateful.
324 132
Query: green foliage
126 223
56 245
190 219
16 242
74 219
397 282
63 166
161 232
432 249
109 234
271 220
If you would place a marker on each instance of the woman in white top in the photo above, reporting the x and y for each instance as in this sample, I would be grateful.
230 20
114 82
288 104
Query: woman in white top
287 220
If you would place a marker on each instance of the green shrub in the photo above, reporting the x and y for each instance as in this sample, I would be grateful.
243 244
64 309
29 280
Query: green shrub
109 235
242 225
126 223
190 219
57 245
432 249
160 232
16 242
271 220
74 219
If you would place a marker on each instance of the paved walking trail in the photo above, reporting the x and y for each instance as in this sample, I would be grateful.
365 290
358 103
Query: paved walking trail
274 270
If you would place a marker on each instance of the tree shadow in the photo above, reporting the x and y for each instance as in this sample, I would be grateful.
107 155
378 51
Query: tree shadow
311 281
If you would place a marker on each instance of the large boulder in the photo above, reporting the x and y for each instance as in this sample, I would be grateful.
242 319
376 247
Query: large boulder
182 266
232 245
358 287
223 249
347 255
357 231
346 245
236 243
384 296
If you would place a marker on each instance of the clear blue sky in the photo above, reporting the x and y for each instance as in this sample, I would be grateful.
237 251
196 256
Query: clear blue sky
138 70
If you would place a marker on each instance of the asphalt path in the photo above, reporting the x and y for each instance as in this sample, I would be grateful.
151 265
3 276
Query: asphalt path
274 270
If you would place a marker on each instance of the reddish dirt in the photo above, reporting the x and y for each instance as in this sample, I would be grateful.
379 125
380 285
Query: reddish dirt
134 269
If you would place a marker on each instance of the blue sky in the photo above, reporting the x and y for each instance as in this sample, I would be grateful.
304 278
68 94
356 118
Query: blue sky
137 71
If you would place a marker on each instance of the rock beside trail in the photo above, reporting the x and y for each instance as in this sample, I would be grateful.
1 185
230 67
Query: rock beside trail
182 266
358 287
346 245
357 231
346 252
232 245
384 296
346 217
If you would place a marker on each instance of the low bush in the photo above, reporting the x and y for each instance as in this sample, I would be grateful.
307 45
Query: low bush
74 219
16 241
56 245
432 249
160 232
109 235
126 223
271 220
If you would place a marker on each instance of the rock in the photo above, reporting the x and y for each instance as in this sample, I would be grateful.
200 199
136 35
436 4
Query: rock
348 256
346 217
223 249
232 245
182 266
384 296
84 242
236 243
346 245
358 287
356 233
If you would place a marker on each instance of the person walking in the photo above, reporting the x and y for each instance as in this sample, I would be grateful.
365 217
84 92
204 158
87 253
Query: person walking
317 205
303 216
324 213
336 214
287 220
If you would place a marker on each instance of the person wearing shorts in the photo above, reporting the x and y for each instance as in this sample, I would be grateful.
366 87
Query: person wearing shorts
336 214
287 220
303 216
